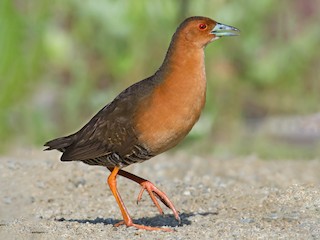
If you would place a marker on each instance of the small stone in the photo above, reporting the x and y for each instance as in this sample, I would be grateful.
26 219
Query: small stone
187 193
7 200
246 220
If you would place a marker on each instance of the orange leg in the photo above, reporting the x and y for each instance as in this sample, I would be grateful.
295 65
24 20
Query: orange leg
112 181
153 191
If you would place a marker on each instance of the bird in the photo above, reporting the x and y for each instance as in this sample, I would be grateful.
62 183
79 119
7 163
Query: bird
150 116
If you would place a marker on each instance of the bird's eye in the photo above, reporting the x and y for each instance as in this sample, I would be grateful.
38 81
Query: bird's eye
202 26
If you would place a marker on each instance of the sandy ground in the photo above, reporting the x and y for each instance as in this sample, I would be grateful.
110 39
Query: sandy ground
239 198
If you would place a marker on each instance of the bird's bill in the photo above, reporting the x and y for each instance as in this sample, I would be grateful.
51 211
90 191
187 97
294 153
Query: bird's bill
222 30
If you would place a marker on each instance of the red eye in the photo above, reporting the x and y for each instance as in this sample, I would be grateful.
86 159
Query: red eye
202 26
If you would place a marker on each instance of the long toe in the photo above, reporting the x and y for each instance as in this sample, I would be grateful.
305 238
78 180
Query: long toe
151 228
154 193
148 228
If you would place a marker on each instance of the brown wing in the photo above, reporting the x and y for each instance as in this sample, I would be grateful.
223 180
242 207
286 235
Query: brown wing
109 138
107 132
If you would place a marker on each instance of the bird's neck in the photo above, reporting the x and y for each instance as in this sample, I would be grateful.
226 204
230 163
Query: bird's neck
183 70
183 58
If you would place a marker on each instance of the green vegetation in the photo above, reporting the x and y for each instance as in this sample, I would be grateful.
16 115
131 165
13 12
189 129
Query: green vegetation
61 61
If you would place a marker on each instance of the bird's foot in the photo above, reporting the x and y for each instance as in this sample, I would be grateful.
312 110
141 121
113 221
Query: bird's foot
155 193
138 226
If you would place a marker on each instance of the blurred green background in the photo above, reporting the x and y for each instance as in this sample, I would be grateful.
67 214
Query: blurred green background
61 61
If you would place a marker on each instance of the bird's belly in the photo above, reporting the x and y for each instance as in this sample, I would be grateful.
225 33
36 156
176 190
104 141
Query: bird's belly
166 120
162 133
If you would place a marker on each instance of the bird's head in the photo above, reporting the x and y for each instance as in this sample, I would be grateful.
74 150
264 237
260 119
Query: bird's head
202 30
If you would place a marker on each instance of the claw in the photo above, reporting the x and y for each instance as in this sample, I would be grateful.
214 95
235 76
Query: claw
152 196
155 193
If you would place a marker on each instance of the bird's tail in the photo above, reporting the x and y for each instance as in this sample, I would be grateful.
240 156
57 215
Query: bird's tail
59 144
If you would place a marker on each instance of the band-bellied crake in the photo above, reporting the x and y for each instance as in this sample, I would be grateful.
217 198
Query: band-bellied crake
150 116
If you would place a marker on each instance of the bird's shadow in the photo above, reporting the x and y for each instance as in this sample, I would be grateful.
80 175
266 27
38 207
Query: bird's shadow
156 221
